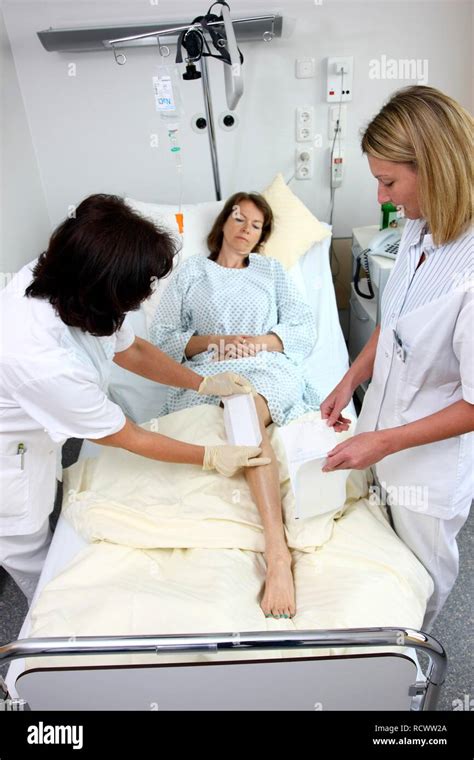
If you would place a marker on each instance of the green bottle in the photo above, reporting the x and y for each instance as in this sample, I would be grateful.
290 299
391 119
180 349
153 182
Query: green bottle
388 216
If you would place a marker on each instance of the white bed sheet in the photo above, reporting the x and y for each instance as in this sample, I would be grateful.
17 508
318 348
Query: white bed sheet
65 545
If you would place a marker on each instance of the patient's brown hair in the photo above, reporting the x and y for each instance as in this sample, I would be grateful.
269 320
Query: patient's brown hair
216 235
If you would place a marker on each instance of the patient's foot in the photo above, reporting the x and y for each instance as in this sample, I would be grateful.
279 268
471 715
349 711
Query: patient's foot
279 595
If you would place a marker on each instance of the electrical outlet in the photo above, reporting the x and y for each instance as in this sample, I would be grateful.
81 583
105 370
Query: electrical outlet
339 79
304 163
335 113
305 123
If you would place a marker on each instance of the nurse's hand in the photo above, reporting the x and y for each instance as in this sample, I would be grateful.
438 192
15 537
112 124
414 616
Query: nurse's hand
229 459
225 384
359 452
333 404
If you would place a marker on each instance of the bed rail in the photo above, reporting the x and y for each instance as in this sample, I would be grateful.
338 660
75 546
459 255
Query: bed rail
425 693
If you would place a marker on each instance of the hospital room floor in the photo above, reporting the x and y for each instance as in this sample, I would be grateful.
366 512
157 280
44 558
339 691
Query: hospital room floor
453 627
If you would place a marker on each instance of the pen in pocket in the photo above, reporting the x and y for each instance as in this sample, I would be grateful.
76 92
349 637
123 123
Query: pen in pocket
21 450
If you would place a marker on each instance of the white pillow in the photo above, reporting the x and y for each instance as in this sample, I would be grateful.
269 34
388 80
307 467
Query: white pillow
295 229
163 216
198 219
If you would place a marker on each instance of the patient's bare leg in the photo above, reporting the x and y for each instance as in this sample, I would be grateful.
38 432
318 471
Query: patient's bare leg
264 483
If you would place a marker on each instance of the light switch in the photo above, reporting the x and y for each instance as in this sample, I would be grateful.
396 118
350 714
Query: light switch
305 68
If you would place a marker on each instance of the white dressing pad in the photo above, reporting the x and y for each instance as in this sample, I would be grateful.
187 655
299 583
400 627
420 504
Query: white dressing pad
307 444
241 420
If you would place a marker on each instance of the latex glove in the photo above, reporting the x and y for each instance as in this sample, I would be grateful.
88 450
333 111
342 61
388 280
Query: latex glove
229 459
225 384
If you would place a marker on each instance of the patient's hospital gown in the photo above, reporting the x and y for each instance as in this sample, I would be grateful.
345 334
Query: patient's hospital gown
205 298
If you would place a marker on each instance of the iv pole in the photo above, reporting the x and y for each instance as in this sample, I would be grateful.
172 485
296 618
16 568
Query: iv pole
267 36
206 90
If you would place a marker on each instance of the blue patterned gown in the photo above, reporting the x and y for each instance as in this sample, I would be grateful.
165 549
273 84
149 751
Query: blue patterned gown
206 298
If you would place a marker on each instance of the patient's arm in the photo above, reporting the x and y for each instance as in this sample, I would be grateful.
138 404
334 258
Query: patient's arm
295 326
199 343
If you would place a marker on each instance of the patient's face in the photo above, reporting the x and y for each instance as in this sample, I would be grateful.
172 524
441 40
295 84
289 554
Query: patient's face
398 184
243 228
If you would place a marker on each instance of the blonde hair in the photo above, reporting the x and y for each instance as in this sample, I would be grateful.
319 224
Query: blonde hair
424 127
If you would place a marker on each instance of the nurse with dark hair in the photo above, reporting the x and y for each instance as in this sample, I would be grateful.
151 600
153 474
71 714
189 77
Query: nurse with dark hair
63 323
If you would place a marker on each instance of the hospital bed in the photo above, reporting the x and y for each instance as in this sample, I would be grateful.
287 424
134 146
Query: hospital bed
318 669
381 672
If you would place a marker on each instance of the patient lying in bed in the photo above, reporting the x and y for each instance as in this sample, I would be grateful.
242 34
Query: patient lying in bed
238 310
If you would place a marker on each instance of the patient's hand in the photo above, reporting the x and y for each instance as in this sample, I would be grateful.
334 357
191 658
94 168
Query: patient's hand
242 346
241 350
231 347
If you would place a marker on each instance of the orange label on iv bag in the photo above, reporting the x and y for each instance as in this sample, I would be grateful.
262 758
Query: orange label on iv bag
180 222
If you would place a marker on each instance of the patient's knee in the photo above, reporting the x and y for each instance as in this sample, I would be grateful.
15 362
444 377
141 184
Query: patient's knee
263 410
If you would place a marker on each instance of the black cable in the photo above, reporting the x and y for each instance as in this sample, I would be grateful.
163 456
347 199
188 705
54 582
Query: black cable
362 260
332 252
218 2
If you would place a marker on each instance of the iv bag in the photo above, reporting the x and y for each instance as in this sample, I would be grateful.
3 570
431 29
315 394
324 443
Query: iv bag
167 95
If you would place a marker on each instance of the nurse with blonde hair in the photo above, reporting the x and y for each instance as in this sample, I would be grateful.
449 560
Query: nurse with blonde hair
417 420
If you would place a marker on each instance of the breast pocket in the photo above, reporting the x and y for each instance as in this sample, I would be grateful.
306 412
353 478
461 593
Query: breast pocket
14 489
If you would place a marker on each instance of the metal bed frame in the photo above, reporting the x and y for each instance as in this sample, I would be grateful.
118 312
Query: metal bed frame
222 686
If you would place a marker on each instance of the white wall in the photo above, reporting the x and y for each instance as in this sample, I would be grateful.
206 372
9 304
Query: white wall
24 220
91 131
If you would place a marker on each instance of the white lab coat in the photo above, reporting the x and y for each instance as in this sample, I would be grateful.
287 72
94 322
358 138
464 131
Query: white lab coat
436 478
53 384
424 363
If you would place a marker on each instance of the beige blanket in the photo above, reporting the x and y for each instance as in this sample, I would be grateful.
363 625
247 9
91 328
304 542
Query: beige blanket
177 550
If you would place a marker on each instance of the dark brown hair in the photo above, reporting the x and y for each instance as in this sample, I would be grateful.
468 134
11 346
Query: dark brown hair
216 235
100 264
